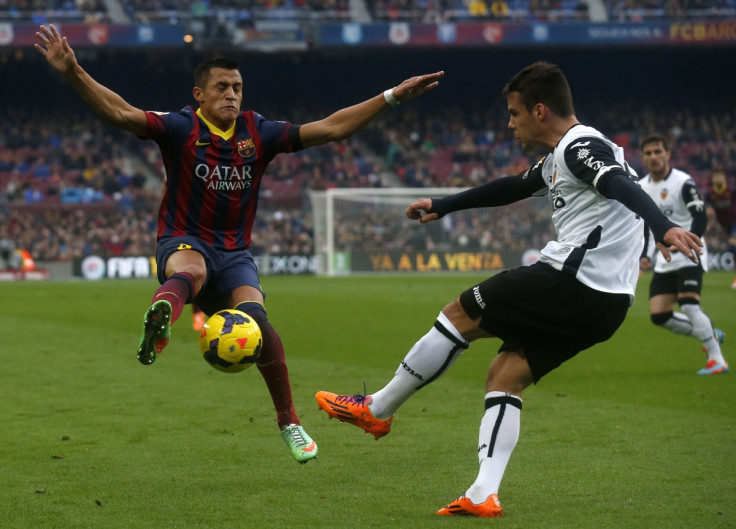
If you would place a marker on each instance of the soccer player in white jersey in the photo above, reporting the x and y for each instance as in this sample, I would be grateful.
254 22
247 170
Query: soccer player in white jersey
577 295
678 280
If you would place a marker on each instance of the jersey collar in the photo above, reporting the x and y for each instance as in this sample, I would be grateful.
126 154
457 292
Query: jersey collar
224 134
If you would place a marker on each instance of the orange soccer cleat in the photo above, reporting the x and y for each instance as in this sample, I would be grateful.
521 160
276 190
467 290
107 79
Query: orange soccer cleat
491 508
353 409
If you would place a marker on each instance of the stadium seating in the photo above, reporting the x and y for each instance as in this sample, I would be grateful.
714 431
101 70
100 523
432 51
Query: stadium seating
52 166
244 11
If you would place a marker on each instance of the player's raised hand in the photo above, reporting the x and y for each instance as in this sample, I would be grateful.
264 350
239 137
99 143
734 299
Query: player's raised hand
677 239
416 86
56 49
418 210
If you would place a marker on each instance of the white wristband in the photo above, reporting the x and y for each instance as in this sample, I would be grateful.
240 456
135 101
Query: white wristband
390 98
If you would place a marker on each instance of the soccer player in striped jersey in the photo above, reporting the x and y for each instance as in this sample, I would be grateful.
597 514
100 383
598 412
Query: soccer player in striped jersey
215 156
721 197
678 280
577 295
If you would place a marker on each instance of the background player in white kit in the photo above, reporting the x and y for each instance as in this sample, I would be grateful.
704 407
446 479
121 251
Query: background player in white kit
678 280
577 295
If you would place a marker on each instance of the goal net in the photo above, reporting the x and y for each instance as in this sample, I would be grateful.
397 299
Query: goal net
366 230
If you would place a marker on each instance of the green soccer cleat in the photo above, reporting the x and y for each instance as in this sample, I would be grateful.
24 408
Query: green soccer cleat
156 332
302 447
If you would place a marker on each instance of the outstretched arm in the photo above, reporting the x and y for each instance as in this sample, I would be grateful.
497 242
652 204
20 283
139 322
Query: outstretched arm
103 101
347 121
505 190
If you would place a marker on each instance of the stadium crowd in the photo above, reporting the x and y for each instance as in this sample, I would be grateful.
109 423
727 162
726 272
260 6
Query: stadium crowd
71 187
76 192
123 11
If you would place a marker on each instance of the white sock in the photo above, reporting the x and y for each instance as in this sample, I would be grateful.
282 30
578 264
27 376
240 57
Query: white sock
703 331
499 432
430 357
679 323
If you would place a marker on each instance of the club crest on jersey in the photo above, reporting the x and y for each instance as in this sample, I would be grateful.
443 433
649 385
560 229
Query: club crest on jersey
246 148
663 194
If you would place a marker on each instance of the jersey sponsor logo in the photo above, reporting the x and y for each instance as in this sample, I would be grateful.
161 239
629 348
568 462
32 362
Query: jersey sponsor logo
225 177
478 297
246 148
558 201
583 153
586 158
201 143
581 144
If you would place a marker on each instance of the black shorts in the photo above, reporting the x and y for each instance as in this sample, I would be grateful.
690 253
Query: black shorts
544 313
688 279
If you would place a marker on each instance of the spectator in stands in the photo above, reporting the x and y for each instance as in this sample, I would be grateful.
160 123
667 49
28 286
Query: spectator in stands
500 9
721 198
478 9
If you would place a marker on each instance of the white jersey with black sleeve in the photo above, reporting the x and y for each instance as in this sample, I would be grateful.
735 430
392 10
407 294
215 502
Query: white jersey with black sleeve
599 240
675 195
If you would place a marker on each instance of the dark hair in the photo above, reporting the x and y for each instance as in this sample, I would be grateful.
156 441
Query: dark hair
544 83
655 138
202 72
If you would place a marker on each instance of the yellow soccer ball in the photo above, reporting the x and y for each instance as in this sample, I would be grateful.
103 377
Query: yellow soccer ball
230 341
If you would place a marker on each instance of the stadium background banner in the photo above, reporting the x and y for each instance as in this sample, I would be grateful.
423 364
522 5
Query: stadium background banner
406 34
94 267
399 261
515 34
99 35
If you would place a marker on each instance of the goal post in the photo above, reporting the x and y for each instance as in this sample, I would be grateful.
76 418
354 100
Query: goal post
366 230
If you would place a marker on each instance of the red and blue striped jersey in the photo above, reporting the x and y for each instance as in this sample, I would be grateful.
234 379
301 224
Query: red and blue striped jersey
213 176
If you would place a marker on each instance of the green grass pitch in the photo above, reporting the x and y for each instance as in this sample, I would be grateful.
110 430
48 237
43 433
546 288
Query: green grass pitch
623 436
